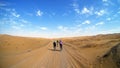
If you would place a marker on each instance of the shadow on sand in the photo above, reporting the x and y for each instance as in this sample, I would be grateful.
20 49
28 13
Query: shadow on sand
54 50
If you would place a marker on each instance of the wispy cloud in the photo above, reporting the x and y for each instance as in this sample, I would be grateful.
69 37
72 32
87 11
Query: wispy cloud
24 21
16 15
83 18
88 10
52 14
39 13
43 28
3 4
86 22
5 9
104 0
108 2
100 13
62 28
16 27
76 7
108 19
77 10
84 10
100 23
13 20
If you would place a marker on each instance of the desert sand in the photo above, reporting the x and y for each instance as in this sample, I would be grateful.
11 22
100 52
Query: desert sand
100 51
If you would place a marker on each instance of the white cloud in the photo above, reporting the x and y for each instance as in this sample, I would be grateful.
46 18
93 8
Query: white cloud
13 20
15 15
108 2
75 4
24 21
85 10
100 13
77 10
100 23
16 27
86 22
76 7
108 19
104 0
62 28
43 28
39 13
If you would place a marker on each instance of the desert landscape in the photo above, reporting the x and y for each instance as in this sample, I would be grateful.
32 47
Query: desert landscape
100 51
60 34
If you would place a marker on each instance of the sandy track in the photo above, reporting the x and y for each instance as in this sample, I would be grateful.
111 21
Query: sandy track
46 57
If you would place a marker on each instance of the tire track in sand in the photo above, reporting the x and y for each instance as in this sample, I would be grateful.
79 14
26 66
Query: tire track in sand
67 58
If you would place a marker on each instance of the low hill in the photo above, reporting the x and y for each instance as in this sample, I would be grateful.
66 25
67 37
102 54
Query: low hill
14 44
96 47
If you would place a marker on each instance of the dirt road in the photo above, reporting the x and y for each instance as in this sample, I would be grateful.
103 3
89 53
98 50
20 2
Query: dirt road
46 57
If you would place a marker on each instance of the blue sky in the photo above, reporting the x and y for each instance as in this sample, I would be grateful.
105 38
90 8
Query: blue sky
59 18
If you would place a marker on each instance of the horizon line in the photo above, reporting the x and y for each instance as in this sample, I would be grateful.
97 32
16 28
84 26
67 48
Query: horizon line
59 36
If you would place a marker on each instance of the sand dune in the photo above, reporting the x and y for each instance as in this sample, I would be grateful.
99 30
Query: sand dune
95 47
78 52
